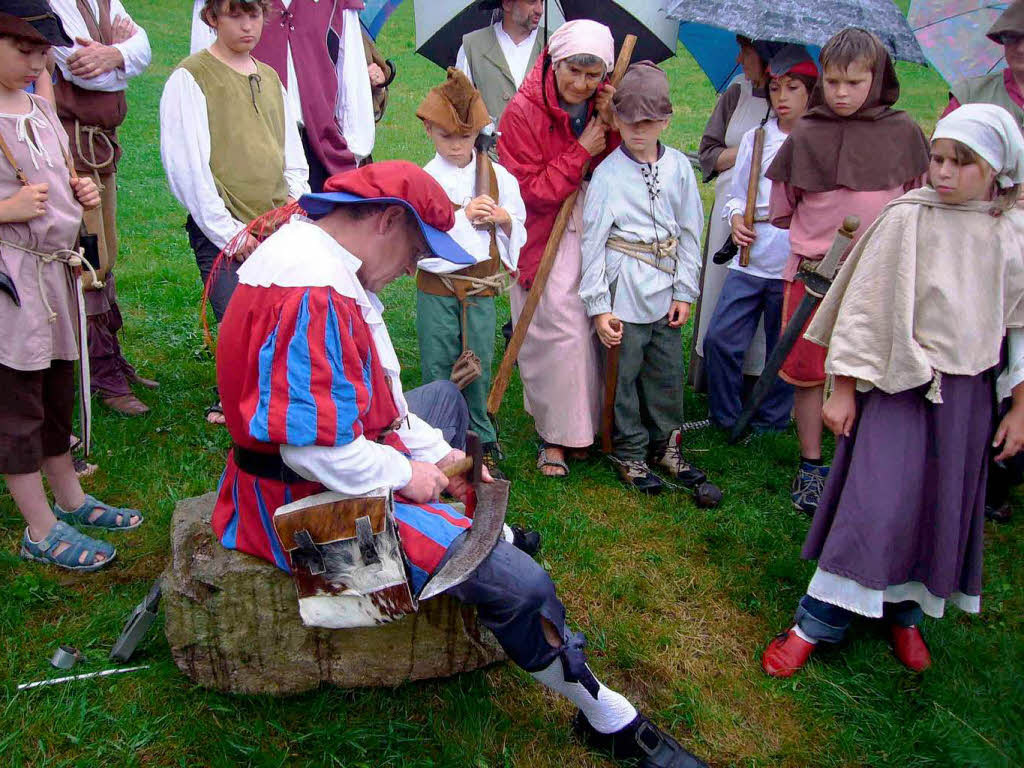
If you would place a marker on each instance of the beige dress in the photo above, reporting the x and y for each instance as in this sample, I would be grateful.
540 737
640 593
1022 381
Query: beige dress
31 339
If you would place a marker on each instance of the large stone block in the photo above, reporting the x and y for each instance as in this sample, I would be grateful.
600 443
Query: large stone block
232 622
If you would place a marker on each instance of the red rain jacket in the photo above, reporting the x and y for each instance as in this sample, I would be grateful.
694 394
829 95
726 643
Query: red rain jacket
537 146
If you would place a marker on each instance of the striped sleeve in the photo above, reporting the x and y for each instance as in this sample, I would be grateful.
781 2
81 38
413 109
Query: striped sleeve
315 379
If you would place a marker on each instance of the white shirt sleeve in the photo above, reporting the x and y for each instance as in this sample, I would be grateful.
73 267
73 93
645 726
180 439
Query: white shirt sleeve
202 35
511 200
354 109
737 190
185 152
466 235
1014 372
355 468
598 218
135 51
686 285
425 443
462 63
296 168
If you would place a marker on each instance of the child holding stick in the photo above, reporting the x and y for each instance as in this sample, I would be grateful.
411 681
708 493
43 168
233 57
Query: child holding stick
914 324
40 216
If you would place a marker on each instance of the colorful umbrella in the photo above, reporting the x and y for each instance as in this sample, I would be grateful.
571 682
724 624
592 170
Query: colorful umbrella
656 34
952 34
799 21
376 13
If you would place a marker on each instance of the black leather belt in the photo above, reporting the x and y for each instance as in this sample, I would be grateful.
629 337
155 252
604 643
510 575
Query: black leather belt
269 466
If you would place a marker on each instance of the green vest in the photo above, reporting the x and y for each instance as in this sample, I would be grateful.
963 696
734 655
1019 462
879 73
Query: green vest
246 118
988 89
491 74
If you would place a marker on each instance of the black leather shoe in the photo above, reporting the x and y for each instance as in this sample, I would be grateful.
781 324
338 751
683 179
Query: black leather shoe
641 741
637 475
528 541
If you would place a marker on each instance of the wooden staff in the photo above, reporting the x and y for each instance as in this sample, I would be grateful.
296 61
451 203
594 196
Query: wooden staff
547 261
752 183
611 378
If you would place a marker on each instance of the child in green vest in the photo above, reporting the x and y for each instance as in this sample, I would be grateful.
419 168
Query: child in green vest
455 312
229 144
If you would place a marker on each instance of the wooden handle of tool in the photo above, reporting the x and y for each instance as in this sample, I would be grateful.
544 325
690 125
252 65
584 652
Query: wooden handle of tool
611 377
547 261
752 183
483 176
460 467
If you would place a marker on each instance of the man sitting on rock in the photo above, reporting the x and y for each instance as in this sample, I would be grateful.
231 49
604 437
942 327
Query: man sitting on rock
310 385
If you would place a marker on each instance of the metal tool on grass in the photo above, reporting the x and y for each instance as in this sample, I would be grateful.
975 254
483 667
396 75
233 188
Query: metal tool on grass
816 285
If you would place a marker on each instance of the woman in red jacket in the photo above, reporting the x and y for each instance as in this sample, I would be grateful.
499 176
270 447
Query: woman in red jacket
555 127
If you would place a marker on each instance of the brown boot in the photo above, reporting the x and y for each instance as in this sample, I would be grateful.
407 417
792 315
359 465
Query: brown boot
142 381
126 405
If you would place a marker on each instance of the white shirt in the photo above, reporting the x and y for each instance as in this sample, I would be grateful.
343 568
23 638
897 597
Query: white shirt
185 152
354 99
135 50
517 55
362 465
770 251
460 186
618 204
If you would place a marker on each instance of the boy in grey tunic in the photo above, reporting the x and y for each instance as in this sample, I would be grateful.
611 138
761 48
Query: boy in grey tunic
640 274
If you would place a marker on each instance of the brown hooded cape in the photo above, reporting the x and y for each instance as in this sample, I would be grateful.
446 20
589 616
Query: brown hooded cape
875 148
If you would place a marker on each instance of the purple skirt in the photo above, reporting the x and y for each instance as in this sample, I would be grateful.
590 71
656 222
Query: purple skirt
905 498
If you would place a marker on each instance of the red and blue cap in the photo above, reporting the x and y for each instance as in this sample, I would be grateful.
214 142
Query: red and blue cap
400 183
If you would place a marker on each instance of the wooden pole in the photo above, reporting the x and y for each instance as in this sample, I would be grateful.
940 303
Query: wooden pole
611 378
547 261
752 182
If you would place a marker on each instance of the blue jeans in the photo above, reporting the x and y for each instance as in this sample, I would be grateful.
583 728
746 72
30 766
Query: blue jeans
743 301
441 405
828 623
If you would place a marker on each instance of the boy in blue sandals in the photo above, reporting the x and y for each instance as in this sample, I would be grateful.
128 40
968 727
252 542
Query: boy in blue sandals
40 214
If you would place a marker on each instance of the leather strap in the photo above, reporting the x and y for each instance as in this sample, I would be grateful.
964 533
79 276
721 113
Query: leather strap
269 466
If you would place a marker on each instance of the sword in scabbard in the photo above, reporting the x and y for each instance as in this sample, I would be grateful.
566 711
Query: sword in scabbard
816 285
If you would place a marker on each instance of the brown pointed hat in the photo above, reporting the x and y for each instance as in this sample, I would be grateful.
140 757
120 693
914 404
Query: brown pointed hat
455 105
1011 20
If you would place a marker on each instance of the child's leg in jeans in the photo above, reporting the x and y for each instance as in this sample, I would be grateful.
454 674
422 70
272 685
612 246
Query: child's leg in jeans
808 402
905 614
661 383
630 437
818 621
732 327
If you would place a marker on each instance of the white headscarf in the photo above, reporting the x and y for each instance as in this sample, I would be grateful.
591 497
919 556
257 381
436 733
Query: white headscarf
583 36
992 133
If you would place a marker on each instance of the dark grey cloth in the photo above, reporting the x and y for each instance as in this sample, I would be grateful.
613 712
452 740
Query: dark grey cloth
829 623
513 595
226 278
441 405
649 388
905 498
744 300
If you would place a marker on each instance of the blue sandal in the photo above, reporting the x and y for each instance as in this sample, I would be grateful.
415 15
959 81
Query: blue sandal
106 519
70 558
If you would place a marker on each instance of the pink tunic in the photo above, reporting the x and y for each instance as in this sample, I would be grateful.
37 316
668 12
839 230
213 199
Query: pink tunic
30 340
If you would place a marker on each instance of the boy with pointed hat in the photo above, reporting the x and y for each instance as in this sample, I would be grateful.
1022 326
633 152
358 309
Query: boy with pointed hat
455 309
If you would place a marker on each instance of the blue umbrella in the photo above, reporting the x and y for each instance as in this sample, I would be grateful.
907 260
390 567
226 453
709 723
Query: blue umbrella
715 50
708 27
376 13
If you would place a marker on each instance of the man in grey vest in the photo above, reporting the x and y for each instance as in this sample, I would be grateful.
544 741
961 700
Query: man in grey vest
497 58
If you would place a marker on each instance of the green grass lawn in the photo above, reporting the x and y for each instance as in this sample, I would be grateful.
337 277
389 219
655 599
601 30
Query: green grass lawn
677 601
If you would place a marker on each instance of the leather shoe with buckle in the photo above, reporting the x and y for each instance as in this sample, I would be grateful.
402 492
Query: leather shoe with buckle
785 654
641 741
910 647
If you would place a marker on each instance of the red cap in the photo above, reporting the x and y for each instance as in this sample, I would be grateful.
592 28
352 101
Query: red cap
402 180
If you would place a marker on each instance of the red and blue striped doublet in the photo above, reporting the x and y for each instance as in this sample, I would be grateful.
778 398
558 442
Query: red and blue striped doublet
299 366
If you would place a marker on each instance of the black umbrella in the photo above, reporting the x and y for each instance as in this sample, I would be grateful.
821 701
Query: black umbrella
656 34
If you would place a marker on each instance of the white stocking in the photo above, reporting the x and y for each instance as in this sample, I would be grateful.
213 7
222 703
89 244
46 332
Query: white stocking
608 712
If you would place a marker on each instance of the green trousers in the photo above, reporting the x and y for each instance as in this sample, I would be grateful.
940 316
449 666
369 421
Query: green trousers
439 329
649 390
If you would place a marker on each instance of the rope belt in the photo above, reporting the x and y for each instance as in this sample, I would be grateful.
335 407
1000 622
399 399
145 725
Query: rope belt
62 255
651 254
92 134
498 283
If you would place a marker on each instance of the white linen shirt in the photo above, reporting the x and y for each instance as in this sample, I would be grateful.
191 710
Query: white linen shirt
361 465
618 204
770 251
460 186
135 50
354 100
185 153
517 55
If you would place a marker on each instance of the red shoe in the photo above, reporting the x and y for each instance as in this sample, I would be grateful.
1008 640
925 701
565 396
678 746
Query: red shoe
910 648
785 654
